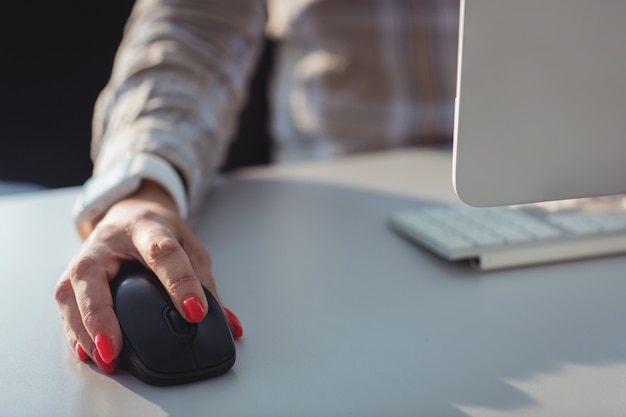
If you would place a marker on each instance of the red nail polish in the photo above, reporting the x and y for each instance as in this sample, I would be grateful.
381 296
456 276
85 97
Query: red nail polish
105 347
108 368
193 309
82 355
233 322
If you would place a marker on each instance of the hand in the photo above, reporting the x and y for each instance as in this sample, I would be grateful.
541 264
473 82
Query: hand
145 228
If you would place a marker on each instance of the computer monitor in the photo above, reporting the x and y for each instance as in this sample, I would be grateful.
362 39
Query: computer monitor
541 101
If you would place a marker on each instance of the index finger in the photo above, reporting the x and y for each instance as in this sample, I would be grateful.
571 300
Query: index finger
163 254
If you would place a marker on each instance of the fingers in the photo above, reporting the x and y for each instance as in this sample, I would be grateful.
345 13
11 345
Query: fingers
233 322
183 266
77 336
91 327
201 263
162 252
131 230
80 352
90 284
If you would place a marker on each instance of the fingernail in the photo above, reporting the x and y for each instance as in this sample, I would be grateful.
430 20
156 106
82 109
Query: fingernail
109 368
105 347
193 309
82 355
233 322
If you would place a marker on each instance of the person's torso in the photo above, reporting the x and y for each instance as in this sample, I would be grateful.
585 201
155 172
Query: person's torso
355 75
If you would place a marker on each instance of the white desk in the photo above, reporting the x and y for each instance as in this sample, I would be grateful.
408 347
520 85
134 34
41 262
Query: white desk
341 316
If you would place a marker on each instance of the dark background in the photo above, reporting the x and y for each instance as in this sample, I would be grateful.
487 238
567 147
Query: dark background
56 57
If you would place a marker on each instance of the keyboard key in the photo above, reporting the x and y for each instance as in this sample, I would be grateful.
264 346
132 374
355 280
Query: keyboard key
463 232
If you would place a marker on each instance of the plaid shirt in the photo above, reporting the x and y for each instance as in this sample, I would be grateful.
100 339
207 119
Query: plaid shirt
349 76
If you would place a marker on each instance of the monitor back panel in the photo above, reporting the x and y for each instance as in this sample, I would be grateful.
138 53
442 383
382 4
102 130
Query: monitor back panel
541 91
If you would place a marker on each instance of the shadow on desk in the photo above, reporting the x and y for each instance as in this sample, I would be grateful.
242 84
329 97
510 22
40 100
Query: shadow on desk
343 317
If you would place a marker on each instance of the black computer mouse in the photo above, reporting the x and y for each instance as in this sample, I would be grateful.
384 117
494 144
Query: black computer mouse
160 346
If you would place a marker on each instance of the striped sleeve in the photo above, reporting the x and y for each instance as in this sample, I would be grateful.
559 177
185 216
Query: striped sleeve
178 82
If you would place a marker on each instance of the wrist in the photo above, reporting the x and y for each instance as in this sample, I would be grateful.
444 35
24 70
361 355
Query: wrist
139 174
148 192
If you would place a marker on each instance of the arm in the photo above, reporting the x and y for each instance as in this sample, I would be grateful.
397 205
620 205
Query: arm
177 85
178 82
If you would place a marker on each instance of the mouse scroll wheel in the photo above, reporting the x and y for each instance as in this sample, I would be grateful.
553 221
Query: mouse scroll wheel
177 324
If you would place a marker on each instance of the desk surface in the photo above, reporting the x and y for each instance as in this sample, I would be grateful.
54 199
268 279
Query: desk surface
341 316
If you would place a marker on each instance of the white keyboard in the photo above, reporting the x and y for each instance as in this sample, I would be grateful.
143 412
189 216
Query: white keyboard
505 237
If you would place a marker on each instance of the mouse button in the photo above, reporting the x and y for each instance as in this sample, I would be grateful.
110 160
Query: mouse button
150 345
148 341
213 344
177 324
134 299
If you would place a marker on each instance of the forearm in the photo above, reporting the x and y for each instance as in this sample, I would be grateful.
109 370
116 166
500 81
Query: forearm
178 83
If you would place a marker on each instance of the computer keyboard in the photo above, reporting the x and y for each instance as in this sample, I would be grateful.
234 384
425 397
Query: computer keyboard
504 237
